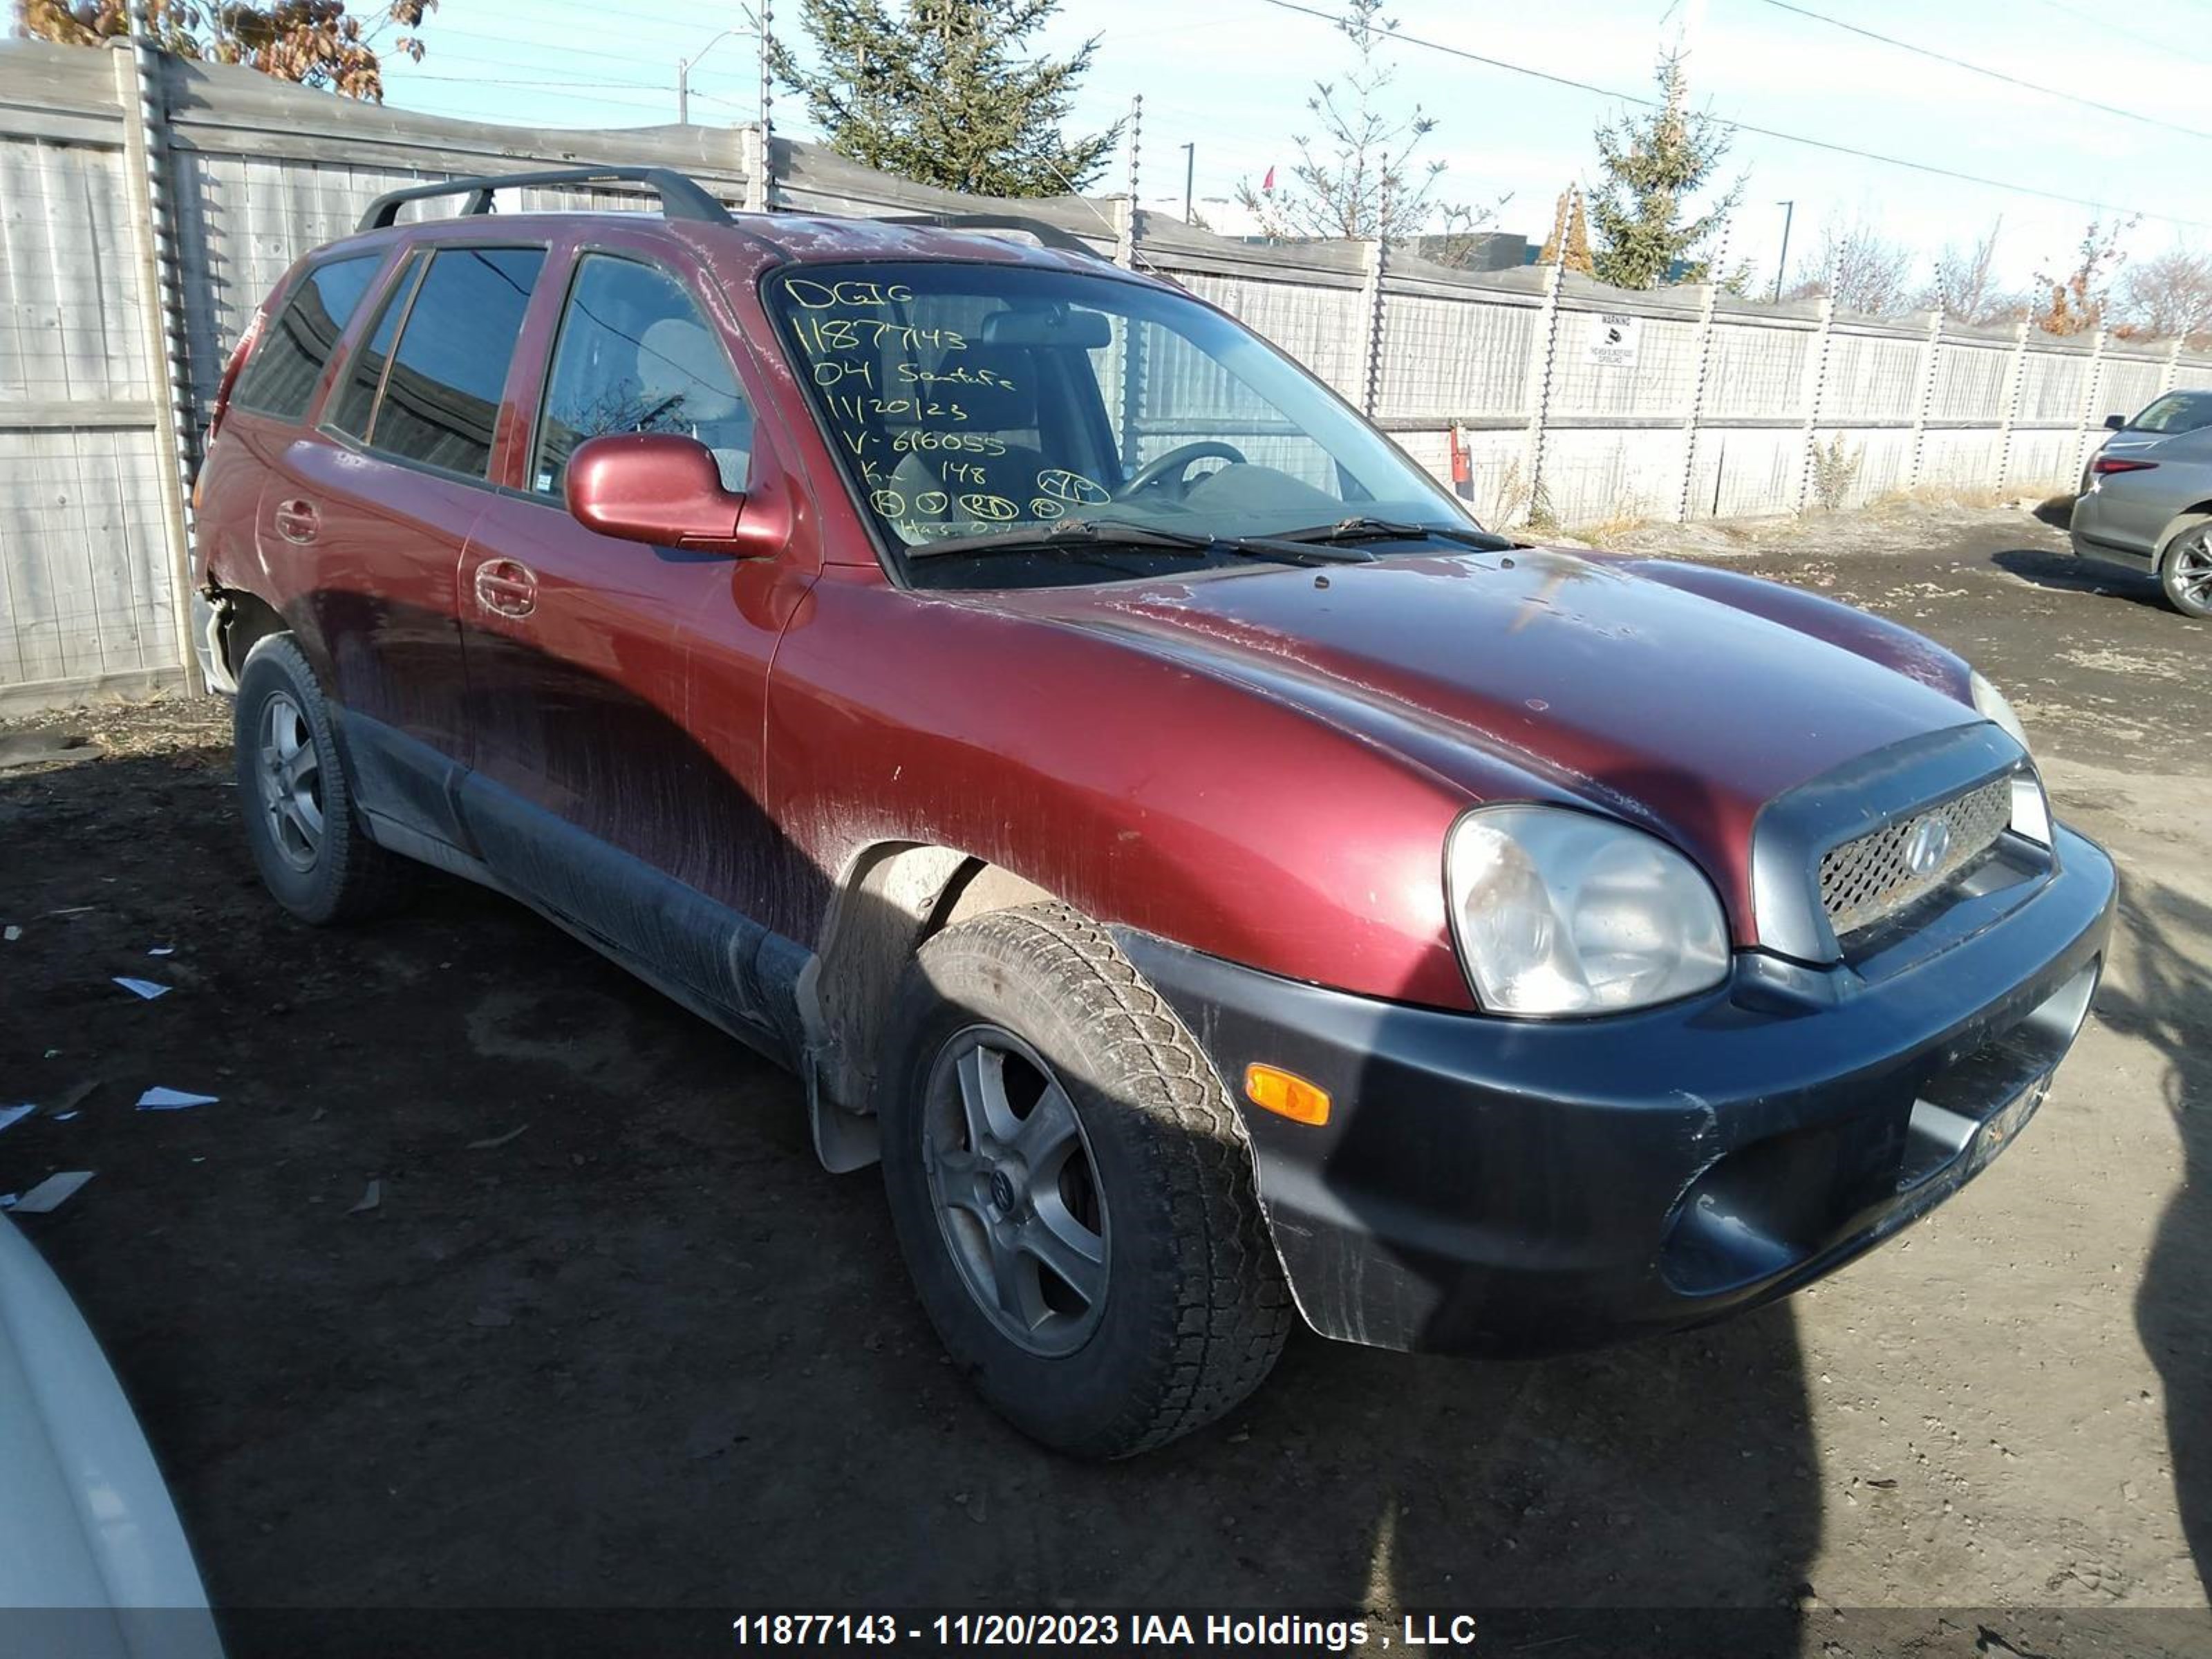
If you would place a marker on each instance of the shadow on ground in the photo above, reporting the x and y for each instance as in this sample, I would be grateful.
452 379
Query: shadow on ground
2064 572
609 1336
2172 1011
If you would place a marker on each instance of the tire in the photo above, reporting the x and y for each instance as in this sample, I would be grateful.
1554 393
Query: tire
307 841
2186 572
1189 1310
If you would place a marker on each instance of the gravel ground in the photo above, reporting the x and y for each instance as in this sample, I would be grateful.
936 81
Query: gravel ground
608 1336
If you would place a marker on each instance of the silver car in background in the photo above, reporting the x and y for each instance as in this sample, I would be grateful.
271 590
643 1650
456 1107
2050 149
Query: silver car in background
2145 501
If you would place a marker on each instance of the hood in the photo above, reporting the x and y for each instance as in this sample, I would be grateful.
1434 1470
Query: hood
1542 673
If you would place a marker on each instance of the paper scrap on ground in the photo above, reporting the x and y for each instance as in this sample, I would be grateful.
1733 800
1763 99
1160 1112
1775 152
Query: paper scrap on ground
162 950
369 1200
172 1100
142 988
11 1114
63 1117
14 933
52 1193
496 1141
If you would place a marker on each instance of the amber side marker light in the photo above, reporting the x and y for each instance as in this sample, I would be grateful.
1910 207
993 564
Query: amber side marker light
1285 1094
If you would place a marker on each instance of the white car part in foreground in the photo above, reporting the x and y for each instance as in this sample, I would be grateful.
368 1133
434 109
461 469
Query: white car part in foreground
93 1562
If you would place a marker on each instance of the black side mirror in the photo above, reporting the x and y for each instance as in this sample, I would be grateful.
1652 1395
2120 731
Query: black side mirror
2115 422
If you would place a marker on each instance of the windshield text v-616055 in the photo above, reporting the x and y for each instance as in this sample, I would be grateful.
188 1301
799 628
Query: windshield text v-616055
997 406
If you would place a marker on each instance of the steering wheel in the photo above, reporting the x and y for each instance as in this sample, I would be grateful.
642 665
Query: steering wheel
1176 462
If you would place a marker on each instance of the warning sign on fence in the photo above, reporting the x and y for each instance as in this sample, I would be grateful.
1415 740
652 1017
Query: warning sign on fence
1613 339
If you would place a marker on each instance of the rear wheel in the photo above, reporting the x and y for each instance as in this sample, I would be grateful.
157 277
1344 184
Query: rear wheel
293 792
2186 572
1072 1190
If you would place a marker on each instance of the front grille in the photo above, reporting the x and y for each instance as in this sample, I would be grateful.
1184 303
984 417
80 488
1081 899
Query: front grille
1867 880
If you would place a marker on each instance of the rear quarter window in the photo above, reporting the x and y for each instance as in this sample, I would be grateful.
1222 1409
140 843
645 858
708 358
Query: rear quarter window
281 379
442 394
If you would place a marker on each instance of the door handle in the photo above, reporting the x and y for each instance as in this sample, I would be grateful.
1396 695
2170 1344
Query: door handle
508 586
297 521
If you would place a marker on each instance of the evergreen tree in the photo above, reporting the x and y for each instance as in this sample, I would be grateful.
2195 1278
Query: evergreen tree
1359 178
1569 242
1653 164
941 92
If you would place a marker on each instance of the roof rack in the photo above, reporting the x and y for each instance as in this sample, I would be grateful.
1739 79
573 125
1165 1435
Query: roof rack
1036 230
680 197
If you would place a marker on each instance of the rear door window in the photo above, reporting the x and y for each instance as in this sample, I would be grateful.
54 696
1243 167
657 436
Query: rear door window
440 396
636 355
355 400
279 381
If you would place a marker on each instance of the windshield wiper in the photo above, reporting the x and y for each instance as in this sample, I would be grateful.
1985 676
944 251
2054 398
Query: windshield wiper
1070 534
1066 533
1378 530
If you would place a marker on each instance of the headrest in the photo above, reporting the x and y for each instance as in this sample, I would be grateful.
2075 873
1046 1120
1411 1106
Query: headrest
677 358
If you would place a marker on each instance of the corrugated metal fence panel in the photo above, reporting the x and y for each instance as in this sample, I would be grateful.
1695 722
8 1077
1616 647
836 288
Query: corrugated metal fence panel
2124 385
2052 385
1969 382
85 576
1659 384
70 324
84 581
1324 328
1746 472
1868 377
1754 373
1454 358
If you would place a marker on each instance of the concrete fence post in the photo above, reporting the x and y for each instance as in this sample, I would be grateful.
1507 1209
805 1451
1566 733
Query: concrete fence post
161 278
1816 386
2093 396
1701 371
1125 211
1923 394
2172 369
755 160
1547 339
2016 387
1370 326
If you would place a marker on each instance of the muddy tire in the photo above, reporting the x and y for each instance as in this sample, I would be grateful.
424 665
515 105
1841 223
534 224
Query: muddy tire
292 791
2186 572
1072 1190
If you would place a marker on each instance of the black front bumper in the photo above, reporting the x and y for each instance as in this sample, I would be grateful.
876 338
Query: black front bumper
1514 1187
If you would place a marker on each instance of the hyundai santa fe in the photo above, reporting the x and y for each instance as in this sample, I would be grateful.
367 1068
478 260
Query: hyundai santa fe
1221 883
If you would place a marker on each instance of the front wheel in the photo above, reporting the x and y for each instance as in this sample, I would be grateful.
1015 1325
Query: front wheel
2186 572
1072 1190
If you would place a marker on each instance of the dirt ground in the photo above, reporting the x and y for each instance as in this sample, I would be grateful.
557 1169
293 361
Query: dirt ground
609 1336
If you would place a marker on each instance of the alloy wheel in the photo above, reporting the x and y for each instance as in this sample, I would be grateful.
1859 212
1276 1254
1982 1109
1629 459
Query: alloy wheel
290 774
2192 570
1017 1199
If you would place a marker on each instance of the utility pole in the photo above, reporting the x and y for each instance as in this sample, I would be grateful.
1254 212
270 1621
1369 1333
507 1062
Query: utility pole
685 66
1189 173
1782 265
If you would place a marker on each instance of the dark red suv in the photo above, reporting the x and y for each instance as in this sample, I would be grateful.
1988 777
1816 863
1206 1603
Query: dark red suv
1213 875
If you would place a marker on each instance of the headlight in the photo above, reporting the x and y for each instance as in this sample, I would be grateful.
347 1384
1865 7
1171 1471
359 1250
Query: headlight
1991 705
1561 912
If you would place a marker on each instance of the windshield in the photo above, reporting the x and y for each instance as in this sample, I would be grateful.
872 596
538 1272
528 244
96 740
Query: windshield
977 402
2176 412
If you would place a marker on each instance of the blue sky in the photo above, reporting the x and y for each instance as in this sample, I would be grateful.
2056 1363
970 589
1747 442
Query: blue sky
1232 77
